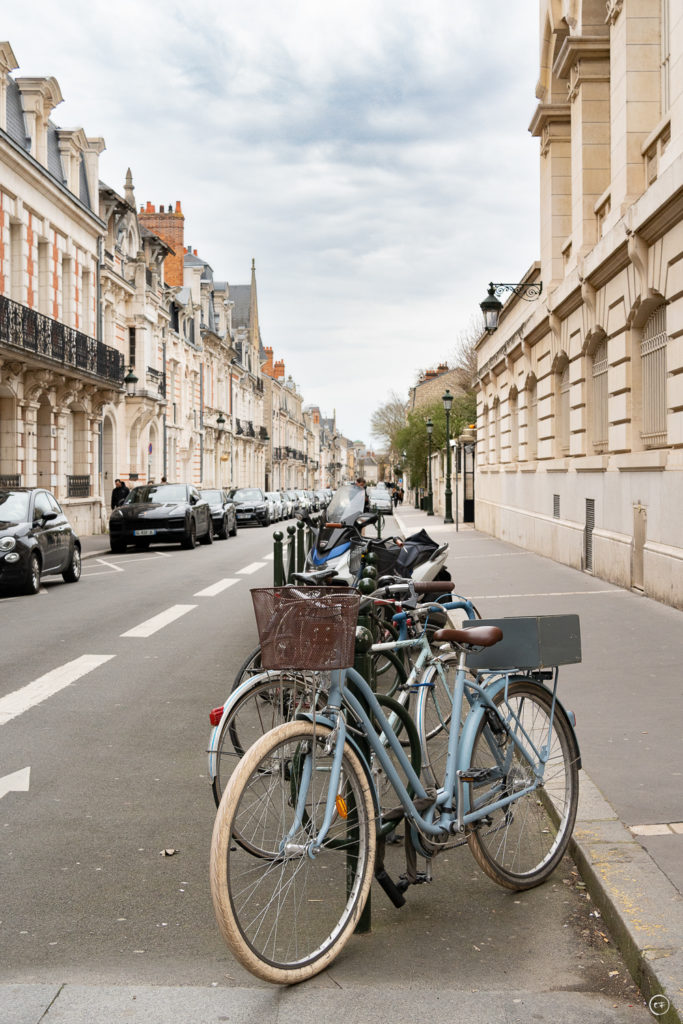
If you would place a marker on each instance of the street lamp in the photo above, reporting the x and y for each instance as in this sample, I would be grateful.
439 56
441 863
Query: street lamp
447 399
130 381
491 306
220 422
430 493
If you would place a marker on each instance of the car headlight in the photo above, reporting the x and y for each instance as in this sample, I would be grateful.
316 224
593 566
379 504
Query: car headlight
117 512
7 543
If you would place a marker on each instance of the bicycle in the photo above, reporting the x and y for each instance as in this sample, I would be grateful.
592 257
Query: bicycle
304 797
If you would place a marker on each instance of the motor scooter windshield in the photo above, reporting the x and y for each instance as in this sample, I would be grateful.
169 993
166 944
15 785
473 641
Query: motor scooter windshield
347 504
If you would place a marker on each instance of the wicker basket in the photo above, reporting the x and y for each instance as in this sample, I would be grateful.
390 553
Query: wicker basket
310 628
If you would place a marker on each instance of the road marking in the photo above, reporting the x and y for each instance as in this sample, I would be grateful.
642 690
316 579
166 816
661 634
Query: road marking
270 557
215 588
555 593
672 828
157 622
111 565
249 569
17 782
52 682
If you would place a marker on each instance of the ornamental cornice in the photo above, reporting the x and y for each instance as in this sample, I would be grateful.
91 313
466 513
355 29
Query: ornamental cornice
580 48
614 8
547 114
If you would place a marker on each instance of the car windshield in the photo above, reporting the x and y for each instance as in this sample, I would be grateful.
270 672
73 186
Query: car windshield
213 496
247 494
272 496
157 493
14 507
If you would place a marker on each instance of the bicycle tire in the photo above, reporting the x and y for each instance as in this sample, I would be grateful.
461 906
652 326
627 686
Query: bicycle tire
251 666
286 917
519 846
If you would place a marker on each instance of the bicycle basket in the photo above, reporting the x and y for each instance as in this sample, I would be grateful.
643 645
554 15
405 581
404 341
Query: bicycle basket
310 628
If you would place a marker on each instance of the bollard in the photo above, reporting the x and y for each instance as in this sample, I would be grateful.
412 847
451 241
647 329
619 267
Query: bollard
300 550
279 578
290 561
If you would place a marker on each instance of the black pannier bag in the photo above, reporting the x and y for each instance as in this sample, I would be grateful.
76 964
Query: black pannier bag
416 549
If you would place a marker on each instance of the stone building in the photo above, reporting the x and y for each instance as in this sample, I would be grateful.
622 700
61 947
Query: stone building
287 458
57 373
250 434
433 383
580 403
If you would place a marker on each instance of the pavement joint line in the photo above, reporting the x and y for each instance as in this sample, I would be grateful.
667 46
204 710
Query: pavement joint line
157 622
553 593
16 703
216 588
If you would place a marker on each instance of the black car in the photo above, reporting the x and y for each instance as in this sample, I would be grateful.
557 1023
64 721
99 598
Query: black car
161 513
35 539
222 512
251 505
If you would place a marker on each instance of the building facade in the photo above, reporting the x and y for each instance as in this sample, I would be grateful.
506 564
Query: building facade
580 400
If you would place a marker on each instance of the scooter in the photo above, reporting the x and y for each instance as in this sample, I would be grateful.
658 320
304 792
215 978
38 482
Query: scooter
340 545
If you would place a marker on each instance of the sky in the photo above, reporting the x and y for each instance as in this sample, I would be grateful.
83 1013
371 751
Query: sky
372 157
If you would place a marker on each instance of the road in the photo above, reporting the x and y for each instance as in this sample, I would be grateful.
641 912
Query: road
104 703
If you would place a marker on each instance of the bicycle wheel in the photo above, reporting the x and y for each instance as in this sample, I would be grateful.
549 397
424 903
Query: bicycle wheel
251 666
267 703
285 917
519 845
433 715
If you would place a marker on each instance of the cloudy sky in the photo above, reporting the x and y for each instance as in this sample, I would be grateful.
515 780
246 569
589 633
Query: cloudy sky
372 157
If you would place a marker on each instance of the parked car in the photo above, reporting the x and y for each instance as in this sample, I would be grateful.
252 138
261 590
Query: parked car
379 500
161 513
296 502
36 539
251 505
277 511
323 497
288 504
304 501
223 512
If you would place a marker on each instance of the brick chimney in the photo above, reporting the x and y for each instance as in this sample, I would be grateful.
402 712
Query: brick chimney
279 369
267 367
170 226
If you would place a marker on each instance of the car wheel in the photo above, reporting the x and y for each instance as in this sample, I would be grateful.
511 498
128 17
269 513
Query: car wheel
32 583
233 532
72 573
190 538
223 532
266 521
117 546
207 538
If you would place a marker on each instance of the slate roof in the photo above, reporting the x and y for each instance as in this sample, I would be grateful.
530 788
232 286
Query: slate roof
241 296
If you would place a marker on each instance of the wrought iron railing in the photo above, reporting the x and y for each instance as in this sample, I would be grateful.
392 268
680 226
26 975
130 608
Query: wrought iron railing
78 486
263 433
10 480
250 430
157 378
27 329
238 427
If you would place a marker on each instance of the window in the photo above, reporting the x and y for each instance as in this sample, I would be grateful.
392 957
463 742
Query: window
665 36
653 364
599 398
563 410
514 424
131 346
532 420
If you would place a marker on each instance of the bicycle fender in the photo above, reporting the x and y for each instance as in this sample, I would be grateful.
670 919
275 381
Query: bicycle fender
217 730
306 716
469 729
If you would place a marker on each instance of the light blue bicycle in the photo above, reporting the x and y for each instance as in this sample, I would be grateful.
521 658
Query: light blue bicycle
295 841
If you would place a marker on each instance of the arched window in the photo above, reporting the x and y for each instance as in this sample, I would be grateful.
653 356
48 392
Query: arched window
562 427
495 425
513 404
653 365
531 420
599 395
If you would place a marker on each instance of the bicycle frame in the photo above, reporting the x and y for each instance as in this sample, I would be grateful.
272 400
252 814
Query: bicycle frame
451 799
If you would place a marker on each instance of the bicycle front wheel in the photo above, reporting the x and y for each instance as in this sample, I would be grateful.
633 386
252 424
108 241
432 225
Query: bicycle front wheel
520 845
287 914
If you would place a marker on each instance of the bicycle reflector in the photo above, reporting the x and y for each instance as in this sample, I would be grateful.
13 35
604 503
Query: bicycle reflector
342 809
215 715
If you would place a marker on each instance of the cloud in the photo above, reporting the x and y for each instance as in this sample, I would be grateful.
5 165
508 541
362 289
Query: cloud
373 157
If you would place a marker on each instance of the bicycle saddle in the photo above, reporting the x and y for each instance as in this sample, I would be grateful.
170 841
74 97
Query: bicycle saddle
478 636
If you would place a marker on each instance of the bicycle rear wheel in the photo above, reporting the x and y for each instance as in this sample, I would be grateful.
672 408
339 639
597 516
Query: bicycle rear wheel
521 844
287 915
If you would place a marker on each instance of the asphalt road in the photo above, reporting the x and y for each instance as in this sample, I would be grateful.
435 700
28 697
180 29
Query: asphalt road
118 774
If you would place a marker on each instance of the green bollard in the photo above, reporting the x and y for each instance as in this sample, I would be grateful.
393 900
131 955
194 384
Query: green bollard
300 550
279 578
291 543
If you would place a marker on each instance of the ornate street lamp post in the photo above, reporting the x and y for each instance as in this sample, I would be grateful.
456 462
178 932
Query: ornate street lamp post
130 382
447 399
430 493
491 306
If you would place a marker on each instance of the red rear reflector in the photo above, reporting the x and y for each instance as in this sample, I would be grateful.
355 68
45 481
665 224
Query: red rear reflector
215 716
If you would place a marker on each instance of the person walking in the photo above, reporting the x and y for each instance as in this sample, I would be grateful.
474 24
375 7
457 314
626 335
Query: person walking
119 493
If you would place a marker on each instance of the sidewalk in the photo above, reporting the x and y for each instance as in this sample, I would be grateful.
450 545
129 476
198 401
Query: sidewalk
628 840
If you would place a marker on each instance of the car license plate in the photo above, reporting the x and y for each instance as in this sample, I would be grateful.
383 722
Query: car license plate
144 533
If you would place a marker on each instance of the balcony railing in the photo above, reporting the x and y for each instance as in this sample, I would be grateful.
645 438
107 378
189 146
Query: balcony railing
78 486
157 378
10 480
25 328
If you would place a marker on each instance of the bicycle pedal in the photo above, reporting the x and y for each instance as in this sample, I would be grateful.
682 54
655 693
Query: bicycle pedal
475 775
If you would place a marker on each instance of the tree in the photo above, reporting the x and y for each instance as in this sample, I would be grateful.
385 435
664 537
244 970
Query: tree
465 353
388 420
413 438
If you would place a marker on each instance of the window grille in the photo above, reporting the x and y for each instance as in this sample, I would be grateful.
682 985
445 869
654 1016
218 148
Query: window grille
600 419
588 534
556 506
653 360
532 425
514 426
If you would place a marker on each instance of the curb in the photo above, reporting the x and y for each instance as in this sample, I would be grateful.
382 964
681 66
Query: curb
641 907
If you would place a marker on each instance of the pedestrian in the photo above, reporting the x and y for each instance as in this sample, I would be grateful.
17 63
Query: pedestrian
119 493
400 495
164 480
